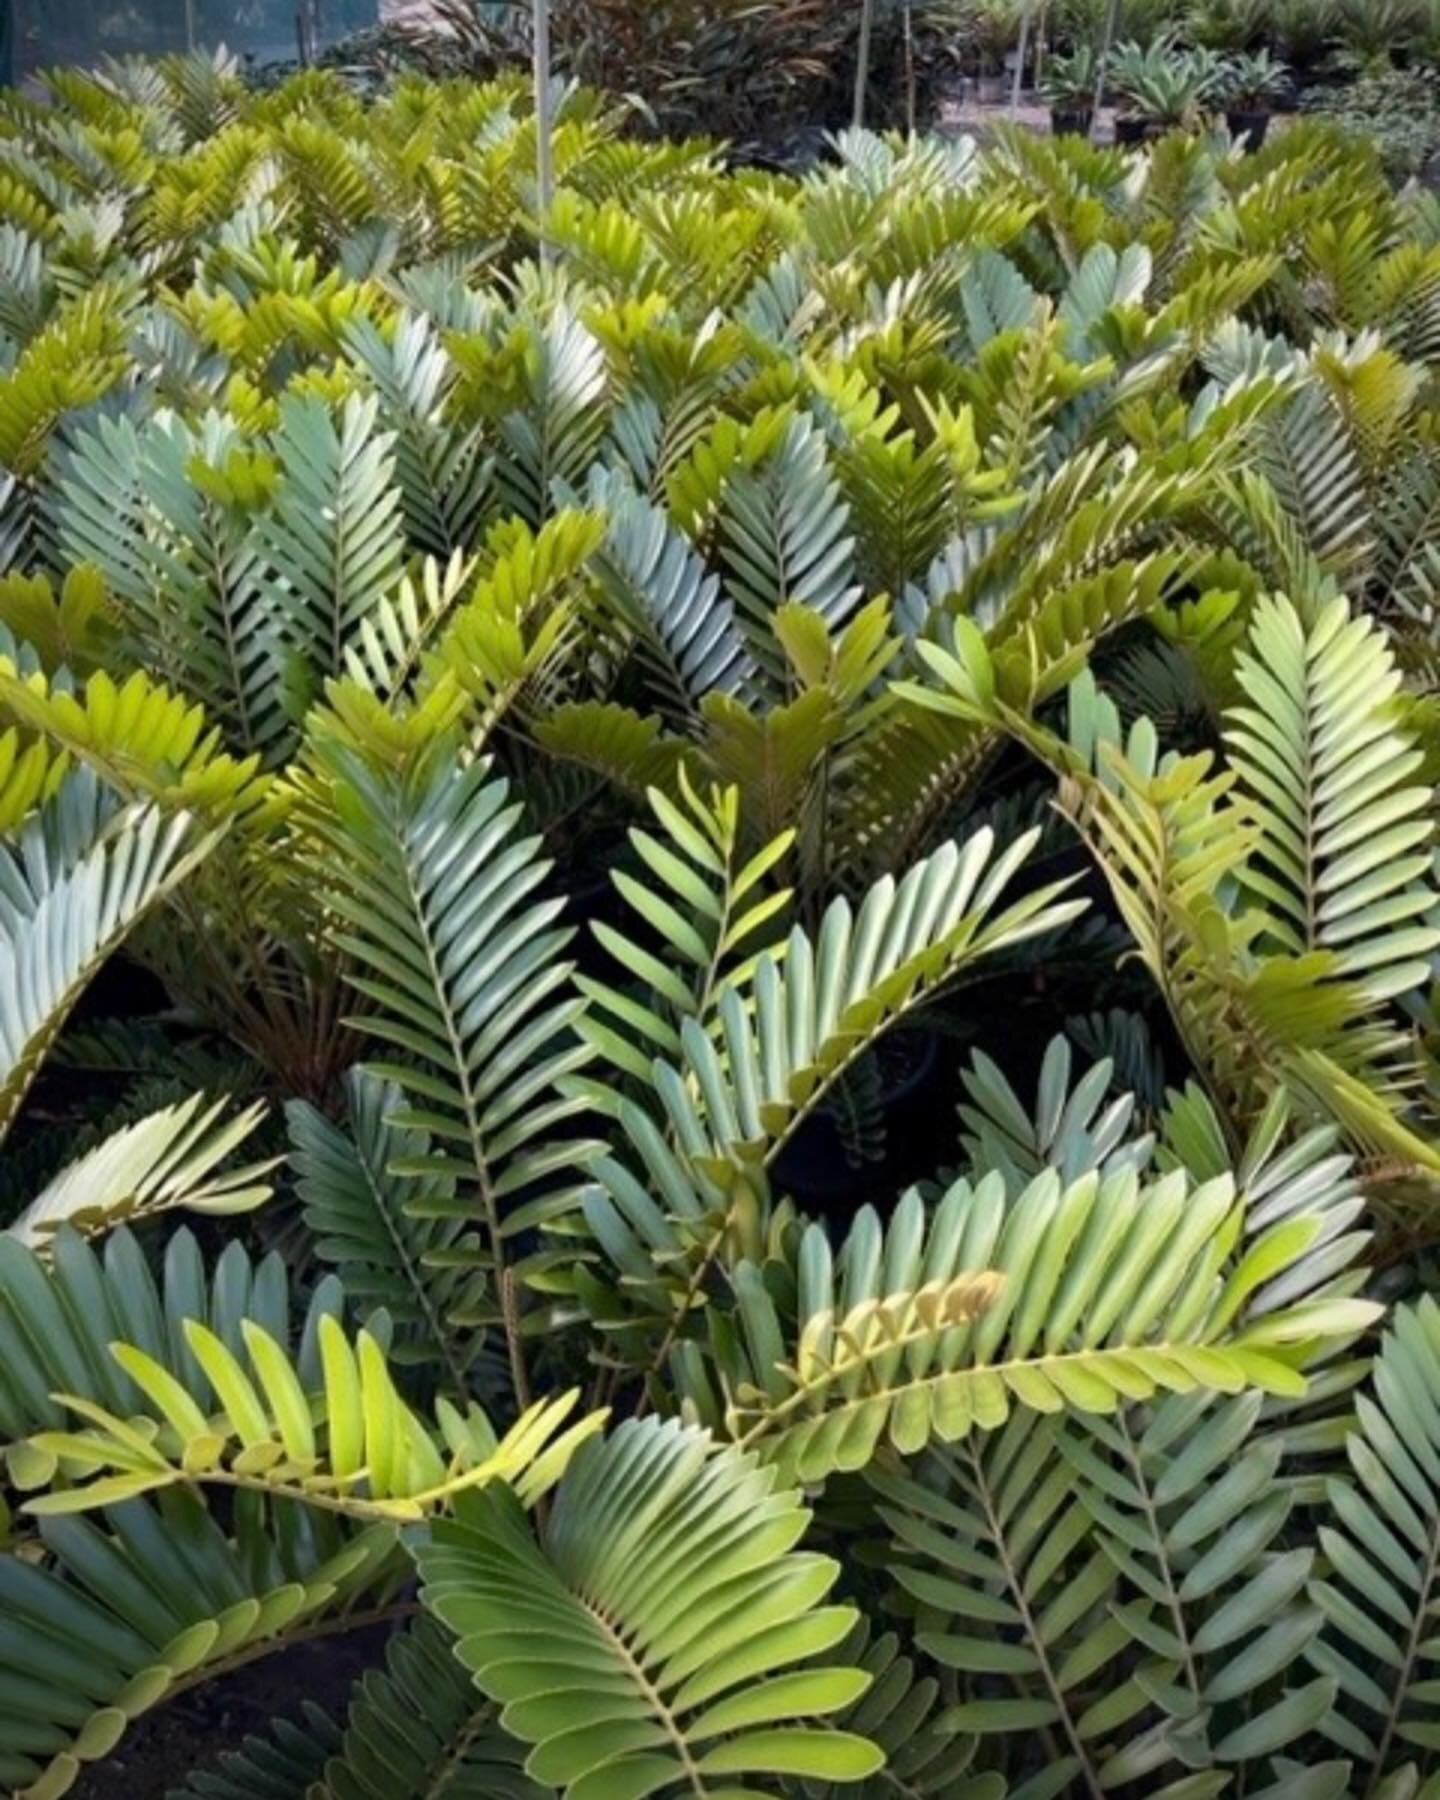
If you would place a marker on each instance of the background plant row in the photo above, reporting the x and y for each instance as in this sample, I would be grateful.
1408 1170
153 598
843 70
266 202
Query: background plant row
768 75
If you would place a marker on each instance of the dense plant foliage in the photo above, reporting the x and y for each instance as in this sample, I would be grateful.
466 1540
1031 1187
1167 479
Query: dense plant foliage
527 743
763 71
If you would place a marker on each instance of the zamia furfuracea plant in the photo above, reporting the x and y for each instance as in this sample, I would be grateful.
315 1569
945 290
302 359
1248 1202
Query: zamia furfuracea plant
719 1066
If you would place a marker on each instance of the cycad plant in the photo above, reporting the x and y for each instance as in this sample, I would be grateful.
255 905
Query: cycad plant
513 767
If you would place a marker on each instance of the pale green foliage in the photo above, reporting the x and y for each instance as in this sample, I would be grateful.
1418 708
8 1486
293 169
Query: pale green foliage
1097 1293
77 880
435 888
265 1434
1381 1551
394 1240
672 1569
754 572
169 1159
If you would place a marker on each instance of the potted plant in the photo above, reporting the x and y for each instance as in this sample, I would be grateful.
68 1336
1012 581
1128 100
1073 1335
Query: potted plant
1375 35
1302 32
1161 89
994 29
1249 87
1068 87
1228 25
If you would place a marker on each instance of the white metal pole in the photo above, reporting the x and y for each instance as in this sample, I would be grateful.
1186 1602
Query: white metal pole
1021 53
1107 44
544 164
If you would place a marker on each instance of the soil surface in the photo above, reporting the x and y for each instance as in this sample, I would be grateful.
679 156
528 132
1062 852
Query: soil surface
166 1746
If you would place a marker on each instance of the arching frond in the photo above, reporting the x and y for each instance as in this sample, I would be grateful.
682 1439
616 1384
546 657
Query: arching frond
331 535
708 917
670 1560
170 1159
64 908
1072 1129
463 972
274 1767
1344 826
782 528
1086 1296
351 1444
124 1614
1065 1557
684 628
165 511
443 473
60 1313
784 1036
398 1242
1382 1549
819 1003
422 1725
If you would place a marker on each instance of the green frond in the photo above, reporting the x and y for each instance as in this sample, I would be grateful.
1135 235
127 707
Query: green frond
783 536
774 756
62 1311
171 1159
1067 1131
144 741
286 1762
331 537
819 1003
420 1725
903 1711
1285 1171
910 495
766 495
1344 827
550 436
443 474
65 627
68 898
1190 1508
398 1243
1170 840
123 1615
166 512
390 644
350 1445
708 914
1098 1293
1121 1583
670 1559
504 643
1315 463
783 1033
461 969
1382 1550
29 775
685 630
614 742
70 363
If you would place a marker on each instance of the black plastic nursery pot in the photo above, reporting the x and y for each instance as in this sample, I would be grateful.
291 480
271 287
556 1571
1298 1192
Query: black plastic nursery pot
1249 128
1131 129
1071 121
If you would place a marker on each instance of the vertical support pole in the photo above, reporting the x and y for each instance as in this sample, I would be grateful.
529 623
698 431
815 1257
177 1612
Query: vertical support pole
1021 52
1107 44
544 163
907 26
862 59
